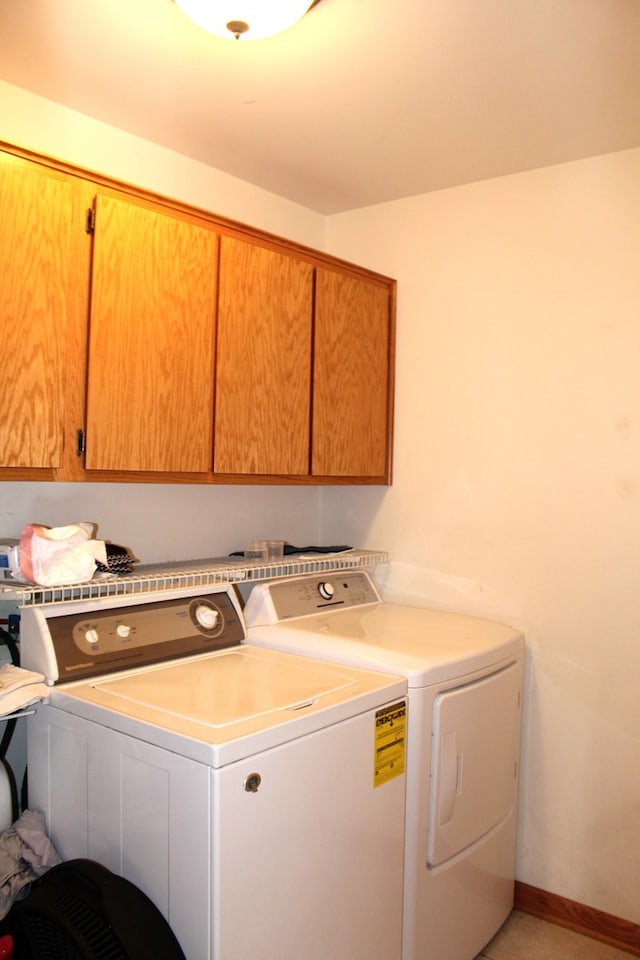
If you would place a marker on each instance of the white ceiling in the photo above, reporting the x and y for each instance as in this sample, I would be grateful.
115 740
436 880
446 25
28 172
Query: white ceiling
363 101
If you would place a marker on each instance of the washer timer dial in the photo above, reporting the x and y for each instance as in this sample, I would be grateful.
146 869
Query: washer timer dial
207 616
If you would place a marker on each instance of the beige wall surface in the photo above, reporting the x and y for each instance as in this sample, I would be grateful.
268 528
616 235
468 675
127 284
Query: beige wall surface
517 476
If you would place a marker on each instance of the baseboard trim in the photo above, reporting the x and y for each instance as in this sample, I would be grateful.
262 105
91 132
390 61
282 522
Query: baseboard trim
578 917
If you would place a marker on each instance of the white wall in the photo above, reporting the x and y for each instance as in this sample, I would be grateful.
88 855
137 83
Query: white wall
160 522
517 476
157 521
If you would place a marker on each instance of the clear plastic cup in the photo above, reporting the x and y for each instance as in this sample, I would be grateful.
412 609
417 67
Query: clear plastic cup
275 549
257 550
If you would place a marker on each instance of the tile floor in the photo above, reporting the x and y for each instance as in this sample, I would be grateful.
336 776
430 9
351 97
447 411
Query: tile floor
526 938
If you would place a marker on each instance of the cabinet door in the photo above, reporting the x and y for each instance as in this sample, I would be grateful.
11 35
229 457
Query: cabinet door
352 378
36 294
263 376
152 339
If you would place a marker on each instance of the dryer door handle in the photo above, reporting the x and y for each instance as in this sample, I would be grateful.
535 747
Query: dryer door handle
451 769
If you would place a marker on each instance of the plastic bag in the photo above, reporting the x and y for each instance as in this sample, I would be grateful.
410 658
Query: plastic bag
52 556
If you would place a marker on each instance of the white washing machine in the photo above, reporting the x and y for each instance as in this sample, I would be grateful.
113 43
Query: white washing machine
257 797
465 680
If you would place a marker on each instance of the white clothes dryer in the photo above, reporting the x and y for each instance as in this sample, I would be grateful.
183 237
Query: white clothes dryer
249 793
465 680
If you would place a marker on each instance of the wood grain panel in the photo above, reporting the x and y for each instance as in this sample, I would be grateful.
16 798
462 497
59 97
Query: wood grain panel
264 361
578 917
35 260
152 340
351 381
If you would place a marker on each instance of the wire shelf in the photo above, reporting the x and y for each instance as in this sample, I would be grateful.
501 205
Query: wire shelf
189 574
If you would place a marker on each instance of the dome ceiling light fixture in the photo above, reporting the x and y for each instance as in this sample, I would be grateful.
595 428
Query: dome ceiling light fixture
245 19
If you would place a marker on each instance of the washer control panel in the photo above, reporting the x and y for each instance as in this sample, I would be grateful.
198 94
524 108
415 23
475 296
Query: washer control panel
277 600
98 640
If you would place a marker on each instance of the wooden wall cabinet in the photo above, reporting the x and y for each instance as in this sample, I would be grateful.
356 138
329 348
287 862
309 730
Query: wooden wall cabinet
304 370
263 373
150 341
352 378
40 265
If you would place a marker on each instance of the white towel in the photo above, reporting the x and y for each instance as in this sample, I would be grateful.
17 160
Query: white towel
20 688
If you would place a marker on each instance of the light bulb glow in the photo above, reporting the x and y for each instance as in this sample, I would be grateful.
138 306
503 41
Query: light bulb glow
263 17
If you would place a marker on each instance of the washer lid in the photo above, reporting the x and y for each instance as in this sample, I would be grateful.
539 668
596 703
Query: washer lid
228 705
223 691
426 646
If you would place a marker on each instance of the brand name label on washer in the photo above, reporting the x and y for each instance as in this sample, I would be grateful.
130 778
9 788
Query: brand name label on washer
390 739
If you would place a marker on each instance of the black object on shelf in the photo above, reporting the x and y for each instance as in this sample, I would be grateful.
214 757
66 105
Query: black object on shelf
289 550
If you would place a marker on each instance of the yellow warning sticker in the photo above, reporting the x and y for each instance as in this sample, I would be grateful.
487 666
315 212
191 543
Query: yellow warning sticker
390 740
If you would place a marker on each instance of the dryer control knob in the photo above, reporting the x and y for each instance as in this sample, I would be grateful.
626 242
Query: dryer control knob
91 636
326 590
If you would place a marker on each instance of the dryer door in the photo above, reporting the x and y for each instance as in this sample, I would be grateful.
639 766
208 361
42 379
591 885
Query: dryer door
474 765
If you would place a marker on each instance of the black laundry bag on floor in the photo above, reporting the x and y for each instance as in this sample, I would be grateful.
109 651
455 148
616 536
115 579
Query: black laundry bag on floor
79 910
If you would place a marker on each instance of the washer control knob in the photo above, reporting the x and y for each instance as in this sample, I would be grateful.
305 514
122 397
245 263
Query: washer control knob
91 636
326 590
207 616
123 630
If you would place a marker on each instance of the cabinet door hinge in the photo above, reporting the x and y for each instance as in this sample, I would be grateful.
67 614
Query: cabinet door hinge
80 442
91 220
